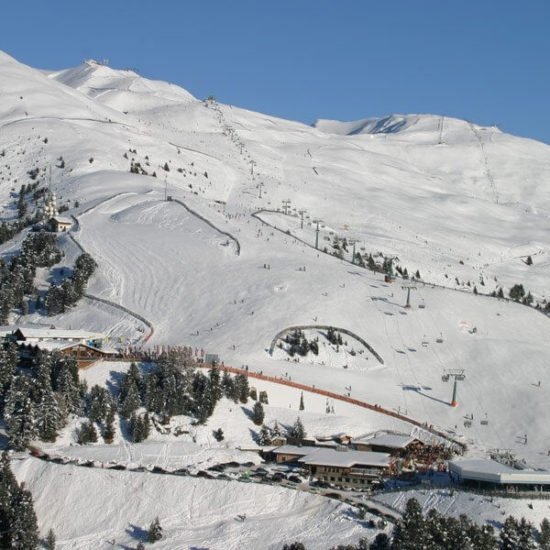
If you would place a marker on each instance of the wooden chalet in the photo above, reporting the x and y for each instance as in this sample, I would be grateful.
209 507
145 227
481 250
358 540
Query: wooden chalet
59 224
84 354
86 347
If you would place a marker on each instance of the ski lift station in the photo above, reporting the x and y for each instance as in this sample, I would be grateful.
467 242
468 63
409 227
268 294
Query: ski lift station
490 474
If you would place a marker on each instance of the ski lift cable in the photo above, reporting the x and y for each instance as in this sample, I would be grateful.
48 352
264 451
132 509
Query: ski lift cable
394 353
470 387
411 369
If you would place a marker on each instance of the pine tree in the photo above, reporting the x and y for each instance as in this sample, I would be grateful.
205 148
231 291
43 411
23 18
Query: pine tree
241 387
109 432
18 526
155 531
525 537
227 385
131 402
258 414
24 528
298 431
264 438
218 434
20 414
544 537
49 417
380 542
410 530
50 540
302 401
8 361
509 538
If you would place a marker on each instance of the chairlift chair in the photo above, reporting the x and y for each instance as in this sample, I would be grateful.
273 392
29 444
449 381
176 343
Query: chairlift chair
440 339
445 378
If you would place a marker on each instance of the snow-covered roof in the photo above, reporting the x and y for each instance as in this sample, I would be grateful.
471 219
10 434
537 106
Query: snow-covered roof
53 345
345 459
6 330
63 219
49 345
495 472
60 334
392 441
293 450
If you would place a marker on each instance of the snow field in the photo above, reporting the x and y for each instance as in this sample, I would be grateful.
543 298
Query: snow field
119 506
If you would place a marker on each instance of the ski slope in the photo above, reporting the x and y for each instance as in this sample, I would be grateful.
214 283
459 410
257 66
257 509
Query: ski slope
459 202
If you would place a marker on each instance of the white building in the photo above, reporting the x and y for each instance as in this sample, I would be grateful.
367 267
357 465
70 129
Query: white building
484 473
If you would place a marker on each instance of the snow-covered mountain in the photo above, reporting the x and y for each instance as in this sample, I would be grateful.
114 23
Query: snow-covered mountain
463 204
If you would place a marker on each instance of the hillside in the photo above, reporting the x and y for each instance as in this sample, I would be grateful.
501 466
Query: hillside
458 202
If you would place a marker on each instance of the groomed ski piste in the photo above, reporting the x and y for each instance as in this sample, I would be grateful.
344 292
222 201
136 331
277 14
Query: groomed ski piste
459 202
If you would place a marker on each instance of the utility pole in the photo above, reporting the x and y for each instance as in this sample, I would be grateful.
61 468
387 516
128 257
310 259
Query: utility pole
408 287
286 206
301 212
458 375
317 222
165 189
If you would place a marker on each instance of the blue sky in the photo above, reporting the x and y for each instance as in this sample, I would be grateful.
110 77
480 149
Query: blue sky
483 60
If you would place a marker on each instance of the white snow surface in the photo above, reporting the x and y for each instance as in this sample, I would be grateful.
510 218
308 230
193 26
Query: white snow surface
91 508
452 199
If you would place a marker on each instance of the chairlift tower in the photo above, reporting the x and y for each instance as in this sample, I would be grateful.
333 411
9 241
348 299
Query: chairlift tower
317 222
301 212
353 242
286 206
458 375
260 186
408 287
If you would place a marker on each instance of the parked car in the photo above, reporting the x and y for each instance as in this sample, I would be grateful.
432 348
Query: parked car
295 479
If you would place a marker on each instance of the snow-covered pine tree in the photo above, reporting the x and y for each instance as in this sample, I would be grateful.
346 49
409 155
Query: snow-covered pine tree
409 532
544 534
297 431
509 538
49 416
264 437
18 527
24 529
131 402
20 414
8 361
525 535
